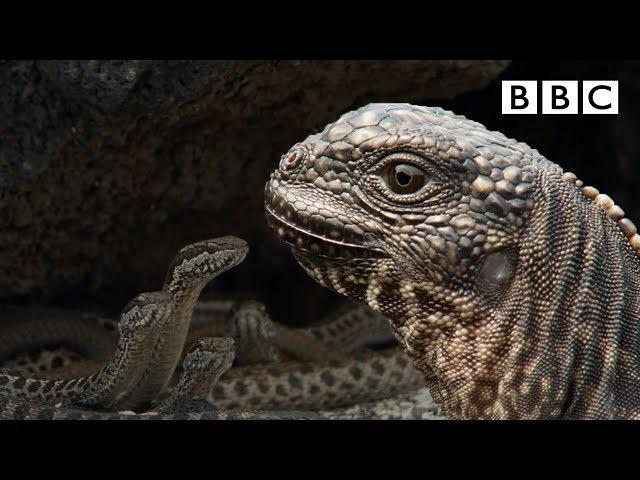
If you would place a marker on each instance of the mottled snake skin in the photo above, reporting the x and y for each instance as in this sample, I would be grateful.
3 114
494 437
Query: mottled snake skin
32 328
105 388
316 376
193 267
202 368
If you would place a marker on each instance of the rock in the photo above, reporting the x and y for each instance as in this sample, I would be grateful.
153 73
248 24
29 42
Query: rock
416 405
107 168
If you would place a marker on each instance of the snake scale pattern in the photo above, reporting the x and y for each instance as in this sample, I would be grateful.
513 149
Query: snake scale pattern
281 372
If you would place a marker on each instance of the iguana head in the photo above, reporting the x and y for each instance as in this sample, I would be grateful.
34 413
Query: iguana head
441 225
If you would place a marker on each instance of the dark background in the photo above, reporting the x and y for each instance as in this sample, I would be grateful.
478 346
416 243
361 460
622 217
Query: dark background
107 168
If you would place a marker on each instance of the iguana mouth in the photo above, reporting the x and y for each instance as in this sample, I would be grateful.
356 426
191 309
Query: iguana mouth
309 242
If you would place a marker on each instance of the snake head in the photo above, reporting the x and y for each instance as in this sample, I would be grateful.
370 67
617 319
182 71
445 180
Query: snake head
145 311
204 260
212 354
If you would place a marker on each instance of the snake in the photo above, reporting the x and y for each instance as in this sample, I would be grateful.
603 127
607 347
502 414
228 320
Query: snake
299 369
118 376
37 340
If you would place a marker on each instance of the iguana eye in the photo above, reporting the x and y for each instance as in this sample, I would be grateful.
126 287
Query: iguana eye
403 178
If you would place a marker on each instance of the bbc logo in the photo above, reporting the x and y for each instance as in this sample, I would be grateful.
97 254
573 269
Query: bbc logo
560 97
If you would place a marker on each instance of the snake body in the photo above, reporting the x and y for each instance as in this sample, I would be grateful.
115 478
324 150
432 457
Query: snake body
36 338
202 368
192 268
313 385
311 376
319 371
120 374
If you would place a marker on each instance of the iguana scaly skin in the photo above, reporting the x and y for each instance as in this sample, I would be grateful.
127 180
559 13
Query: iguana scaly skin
513 288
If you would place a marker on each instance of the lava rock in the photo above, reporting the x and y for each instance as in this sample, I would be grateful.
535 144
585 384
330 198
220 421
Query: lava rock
107 168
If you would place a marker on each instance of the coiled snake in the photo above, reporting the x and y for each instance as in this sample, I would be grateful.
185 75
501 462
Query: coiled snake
280 372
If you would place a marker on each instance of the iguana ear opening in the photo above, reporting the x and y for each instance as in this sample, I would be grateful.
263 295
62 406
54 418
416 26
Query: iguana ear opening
496 271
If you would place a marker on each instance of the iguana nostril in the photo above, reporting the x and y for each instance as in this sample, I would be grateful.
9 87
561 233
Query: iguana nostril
292 159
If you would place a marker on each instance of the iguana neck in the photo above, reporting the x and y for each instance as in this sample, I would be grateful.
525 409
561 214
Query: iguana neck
562 342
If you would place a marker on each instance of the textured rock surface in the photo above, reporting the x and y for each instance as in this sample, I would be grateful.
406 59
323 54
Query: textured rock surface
108 167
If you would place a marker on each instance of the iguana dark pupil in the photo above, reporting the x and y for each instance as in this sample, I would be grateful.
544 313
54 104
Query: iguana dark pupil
404 178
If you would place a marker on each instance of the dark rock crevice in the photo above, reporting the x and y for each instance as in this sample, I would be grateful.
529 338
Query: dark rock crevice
108 167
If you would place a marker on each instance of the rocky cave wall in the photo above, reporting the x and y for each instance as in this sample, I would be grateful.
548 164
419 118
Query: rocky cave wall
107 168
